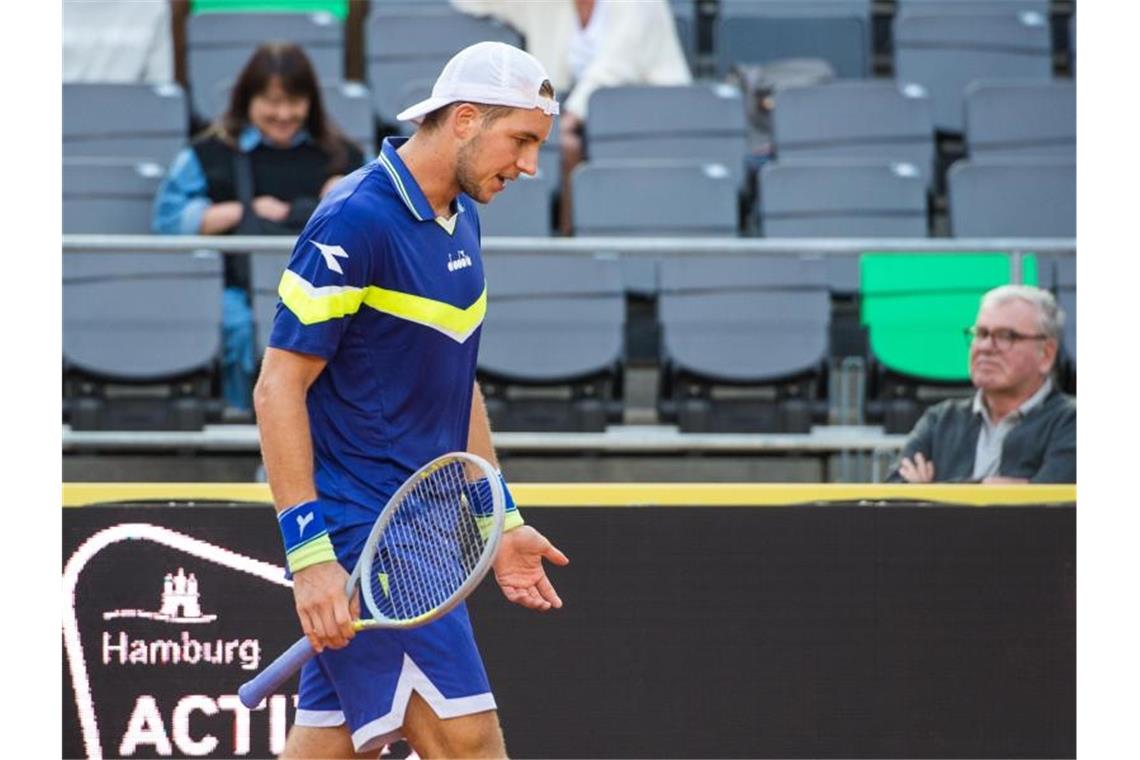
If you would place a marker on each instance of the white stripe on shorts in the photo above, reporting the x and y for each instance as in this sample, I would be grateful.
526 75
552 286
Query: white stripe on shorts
319 718
387 728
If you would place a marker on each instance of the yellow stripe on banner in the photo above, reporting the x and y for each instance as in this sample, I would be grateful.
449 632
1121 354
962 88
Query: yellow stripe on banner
452 321
311 304
622 494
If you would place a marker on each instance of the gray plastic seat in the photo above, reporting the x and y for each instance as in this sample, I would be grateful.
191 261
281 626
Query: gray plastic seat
142 316
350 105
944 54
855 119
521 209
218 45
654 198
406 49
944 7
108 195
744 319
1011 119
1067 300
551 318
842 199
1013 198
761 31
265 271
703 122
137 121
133 316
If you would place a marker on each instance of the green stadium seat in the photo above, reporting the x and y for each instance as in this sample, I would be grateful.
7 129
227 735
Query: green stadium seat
338 8
915 307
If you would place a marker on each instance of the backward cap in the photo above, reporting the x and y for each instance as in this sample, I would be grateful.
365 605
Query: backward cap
489 73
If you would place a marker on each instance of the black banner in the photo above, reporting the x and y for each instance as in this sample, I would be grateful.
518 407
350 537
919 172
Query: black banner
824 631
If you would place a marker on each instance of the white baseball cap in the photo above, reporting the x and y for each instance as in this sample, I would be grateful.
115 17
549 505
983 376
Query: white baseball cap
490 73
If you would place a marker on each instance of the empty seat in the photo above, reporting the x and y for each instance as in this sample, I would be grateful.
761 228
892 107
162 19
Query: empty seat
1013 198
107 195
654 198
350 106
218 45
744 340
1012 119
762 31
265 271
407 48
147 322
943 7
842 199
137 121
855 119
704 122
944 54
552 342
915 308
523 208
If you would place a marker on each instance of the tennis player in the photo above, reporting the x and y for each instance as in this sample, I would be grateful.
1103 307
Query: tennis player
370 373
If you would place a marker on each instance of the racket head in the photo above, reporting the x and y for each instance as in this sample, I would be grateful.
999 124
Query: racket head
433 543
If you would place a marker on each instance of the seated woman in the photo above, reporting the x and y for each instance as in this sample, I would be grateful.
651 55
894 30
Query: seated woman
261 169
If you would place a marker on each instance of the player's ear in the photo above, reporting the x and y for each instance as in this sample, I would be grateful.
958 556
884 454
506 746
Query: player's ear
465 120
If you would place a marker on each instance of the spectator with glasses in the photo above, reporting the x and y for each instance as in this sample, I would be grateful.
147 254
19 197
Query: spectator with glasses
1018 427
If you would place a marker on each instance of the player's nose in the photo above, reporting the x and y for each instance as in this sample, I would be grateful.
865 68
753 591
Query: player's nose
528 161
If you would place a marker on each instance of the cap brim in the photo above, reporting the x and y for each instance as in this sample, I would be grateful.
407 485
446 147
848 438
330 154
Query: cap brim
417 112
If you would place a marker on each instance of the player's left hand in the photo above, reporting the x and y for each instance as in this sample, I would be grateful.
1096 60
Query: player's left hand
519 570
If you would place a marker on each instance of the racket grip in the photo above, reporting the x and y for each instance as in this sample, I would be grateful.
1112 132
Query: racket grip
276 673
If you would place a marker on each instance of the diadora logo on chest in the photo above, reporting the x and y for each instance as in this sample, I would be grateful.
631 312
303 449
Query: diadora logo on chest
457 261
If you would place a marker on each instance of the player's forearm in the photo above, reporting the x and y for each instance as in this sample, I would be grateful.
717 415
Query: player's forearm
286 445
479 429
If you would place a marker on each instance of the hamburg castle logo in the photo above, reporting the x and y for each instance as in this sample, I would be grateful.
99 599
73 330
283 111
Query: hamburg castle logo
180 602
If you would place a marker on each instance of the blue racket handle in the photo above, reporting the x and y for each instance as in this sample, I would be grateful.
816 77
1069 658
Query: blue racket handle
276 673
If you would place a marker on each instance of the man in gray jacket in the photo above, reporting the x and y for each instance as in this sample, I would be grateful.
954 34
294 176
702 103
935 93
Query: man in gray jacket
1018 428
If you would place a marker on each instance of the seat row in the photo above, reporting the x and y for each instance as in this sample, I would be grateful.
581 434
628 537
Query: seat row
746 343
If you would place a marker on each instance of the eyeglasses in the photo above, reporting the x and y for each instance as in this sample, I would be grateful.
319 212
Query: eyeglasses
1004 338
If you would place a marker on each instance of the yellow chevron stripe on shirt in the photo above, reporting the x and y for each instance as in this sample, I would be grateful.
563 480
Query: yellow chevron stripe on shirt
311 305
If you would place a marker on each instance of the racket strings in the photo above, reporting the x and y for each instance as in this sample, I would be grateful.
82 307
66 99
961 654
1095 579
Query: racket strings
431 546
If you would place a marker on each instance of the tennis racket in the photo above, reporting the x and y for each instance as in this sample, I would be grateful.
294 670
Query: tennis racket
429 548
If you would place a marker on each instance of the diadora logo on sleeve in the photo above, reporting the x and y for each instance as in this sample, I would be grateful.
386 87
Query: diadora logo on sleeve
303 522
331 253
457 261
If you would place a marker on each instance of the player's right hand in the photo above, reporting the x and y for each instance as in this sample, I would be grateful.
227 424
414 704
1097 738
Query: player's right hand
325 612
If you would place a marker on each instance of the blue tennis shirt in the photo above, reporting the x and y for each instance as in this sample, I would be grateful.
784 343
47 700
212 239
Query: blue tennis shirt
394 299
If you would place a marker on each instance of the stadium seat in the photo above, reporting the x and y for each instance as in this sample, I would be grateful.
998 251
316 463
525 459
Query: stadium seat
915 308
264 276
406 49
944 54
218 45
109 195
1013 198
135 121
654 198
971 7
338 8
552 342
762 31
350 105
838 198
855 119
1011 119
141 331
744 341
523 208
702 122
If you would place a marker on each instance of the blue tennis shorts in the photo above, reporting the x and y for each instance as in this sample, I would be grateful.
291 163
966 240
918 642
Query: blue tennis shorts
368 683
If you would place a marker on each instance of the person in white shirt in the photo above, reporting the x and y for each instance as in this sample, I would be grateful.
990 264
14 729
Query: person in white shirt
588 44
